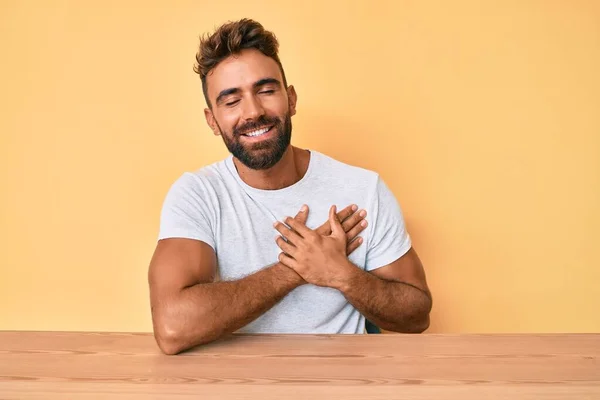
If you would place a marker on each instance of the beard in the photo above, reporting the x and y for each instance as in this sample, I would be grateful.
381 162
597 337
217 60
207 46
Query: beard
266 153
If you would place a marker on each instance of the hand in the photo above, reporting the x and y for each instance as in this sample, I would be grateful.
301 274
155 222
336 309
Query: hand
318 259
353 224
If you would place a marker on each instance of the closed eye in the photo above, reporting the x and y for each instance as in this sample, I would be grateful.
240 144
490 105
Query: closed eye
232 103
267 91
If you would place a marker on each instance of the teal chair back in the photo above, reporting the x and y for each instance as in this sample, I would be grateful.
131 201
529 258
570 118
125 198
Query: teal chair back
371 327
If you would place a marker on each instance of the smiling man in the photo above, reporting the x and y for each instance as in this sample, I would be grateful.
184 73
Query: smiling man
256 243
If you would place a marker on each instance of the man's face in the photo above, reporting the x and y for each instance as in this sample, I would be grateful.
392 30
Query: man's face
251 108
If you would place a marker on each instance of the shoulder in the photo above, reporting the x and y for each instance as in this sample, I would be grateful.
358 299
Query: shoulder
207 180
336 166
351 175
358 182
203 186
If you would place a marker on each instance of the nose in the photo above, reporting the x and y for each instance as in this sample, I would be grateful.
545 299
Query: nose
253 109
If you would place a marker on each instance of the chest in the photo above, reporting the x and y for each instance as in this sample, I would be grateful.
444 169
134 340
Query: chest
245 236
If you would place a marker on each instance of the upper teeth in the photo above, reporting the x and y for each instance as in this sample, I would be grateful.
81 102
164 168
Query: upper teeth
258 132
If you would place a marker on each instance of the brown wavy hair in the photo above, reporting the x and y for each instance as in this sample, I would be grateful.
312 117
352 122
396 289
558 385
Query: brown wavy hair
230 39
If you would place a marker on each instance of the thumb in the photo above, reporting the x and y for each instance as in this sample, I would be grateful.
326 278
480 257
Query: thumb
334 222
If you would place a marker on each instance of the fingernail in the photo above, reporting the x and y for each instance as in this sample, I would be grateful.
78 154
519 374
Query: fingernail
363 213
360 240
354 207
363 224
275 224
303 209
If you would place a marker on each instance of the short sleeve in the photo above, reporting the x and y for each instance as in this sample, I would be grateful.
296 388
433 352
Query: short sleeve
185 212
389 238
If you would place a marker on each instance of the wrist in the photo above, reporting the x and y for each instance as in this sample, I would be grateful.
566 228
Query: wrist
347 277
288 275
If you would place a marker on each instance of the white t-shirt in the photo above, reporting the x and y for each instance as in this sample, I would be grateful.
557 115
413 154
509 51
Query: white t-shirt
215 206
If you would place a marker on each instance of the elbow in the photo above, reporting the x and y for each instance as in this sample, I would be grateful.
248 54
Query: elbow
420 325
168 348
418 321
416 324
409 324
421 319
170 334
173 336
169 341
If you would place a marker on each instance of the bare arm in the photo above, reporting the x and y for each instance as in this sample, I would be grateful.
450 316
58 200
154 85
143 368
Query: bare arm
394 297
189 309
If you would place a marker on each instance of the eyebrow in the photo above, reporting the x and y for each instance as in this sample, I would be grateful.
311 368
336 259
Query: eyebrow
266 81
257 84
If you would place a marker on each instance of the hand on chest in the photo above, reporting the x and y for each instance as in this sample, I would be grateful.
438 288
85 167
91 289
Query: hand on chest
247 238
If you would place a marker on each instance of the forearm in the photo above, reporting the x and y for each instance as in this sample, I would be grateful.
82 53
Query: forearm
393 306
204 312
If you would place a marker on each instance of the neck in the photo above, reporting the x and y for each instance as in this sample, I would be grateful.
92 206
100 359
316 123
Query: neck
289 170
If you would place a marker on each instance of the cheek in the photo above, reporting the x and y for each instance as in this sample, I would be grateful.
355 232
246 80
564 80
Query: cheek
276 112
279 107
227 121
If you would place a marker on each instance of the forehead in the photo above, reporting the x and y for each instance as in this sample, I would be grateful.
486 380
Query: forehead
241 71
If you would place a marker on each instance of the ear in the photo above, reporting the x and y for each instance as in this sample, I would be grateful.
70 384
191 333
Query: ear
292 98
211 121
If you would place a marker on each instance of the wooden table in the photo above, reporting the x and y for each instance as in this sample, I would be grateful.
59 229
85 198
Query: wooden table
35 365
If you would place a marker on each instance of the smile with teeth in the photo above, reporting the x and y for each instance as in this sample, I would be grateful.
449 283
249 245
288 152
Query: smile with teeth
258 132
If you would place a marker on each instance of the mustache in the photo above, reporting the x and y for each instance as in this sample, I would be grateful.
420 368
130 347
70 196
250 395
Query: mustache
253 125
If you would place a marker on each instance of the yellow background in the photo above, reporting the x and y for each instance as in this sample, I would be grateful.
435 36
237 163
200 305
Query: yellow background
483 117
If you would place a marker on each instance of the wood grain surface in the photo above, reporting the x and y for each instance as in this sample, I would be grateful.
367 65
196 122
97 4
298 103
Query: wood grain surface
61 365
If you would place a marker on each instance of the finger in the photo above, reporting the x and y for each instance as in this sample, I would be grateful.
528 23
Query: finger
353 245
287 233
325 229
287 261
354 220
358 228
298 227
336 226
302 215
285 246
343 215
347 212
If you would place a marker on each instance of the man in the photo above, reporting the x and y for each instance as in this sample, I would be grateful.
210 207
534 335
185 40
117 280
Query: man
230 256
